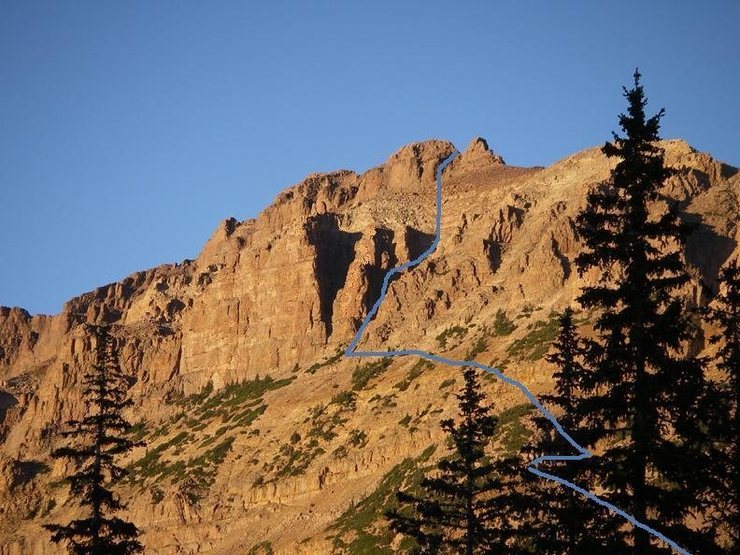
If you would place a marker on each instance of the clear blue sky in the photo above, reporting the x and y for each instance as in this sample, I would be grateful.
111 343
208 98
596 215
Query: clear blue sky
128 130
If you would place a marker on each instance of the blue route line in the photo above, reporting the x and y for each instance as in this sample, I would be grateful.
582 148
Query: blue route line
583 452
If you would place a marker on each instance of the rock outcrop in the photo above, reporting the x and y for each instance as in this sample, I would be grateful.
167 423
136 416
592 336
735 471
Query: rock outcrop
282 294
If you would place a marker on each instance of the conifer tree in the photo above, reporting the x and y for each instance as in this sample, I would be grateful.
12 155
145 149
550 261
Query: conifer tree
470 505
639 400
725 493
562 520
100 438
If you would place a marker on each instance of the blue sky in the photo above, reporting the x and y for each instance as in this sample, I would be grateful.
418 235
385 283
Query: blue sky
128 130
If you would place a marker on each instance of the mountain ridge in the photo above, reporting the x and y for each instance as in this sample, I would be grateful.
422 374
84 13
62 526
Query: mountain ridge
319 252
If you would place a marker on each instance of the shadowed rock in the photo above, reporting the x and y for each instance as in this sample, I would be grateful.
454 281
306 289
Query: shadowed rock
334 253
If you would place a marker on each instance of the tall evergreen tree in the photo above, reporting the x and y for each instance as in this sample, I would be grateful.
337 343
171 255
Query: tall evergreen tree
725 494
469 506
640 397
100 436
563 521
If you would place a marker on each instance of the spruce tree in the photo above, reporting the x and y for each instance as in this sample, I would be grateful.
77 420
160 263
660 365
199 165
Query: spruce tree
639 400
100 438
562 520
470 504
725 494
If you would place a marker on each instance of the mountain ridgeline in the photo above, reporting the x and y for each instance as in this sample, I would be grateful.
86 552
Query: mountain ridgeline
260 436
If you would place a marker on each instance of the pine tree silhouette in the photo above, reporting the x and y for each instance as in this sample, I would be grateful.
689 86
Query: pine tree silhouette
641 394
725 493
562 520
470 505
100 438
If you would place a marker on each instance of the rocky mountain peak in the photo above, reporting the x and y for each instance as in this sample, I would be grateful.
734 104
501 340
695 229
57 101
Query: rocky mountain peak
414 166
282 295
478 152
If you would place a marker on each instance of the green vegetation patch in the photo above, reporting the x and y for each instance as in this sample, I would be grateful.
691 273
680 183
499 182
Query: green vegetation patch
502 325
536 343
200 471
138 431
479 346
324 422
457 332
236 407
415 371
512 431
326 362
362 375
500 366
361 528
357 438
340 452
383 402
152 465
294 459
449 382
238 394
262 548
197 398
345 399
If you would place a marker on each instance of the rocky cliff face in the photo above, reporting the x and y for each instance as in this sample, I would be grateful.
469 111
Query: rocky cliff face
234 458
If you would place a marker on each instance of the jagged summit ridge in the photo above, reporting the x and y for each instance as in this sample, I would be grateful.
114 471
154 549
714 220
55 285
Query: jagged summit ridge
478 152
282 293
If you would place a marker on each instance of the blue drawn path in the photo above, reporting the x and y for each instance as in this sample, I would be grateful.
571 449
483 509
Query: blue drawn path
533 466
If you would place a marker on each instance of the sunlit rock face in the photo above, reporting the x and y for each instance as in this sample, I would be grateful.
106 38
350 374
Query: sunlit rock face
281 295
